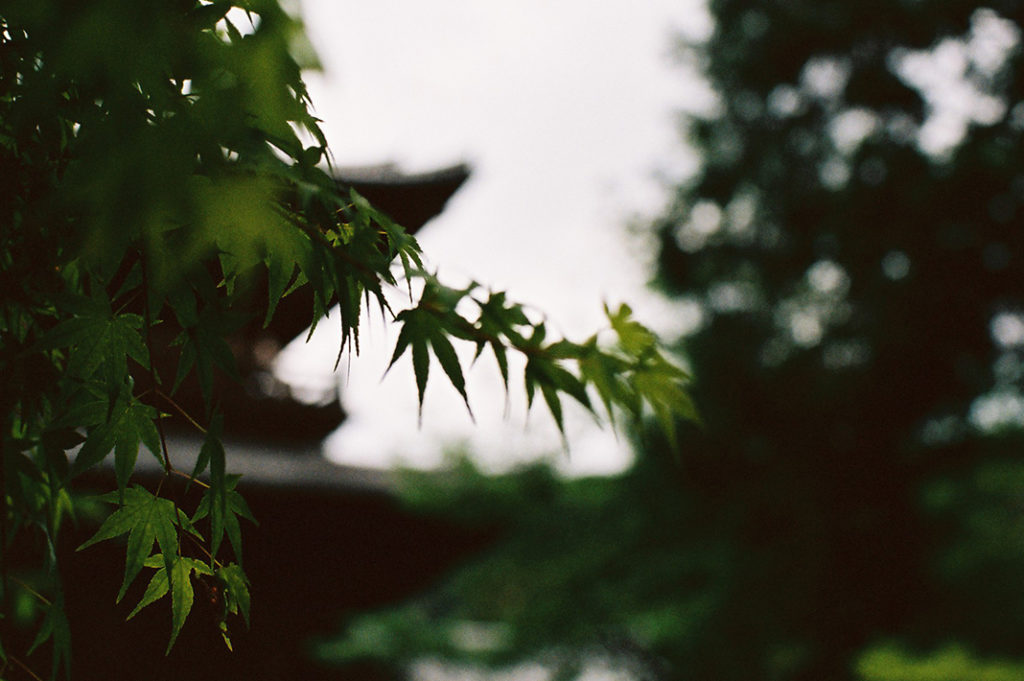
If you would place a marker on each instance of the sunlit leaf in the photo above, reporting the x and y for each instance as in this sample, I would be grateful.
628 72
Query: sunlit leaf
634 338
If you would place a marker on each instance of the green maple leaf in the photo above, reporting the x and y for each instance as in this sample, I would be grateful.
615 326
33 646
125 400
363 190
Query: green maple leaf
603 371
412 335
155 590
449 361
99 343
179 584
182 596
146 519
290 250
224 506
236 590
204 347
662 386
422 331
634 337
130 422
137 425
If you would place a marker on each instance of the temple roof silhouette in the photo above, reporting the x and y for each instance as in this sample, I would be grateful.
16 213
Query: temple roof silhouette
263 411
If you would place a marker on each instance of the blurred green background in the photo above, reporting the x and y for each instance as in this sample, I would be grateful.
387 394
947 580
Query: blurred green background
852 506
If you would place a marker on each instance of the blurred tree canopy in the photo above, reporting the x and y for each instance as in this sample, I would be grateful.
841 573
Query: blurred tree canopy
851 507
164 184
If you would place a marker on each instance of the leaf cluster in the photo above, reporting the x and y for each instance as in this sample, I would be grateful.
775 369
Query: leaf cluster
156 528
165 184
629 374
161 164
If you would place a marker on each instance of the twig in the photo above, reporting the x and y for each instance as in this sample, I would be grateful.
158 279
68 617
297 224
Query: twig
204 550
26 587
186 475
180 410
24 667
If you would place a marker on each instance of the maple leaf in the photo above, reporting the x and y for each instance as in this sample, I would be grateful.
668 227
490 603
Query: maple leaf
146 519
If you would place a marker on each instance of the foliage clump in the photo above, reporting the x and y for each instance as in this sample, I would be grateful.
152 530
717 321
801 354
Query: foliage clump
163 184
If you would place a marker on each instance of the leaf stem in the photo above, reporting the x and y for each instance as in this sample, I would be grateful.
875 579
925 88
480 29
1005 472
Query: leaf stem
43 599
181 411
126 303
182 474
203 549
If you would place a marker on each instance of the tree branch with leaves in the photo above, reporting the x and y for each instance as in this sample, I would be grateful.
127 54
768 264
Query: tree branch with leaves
158 163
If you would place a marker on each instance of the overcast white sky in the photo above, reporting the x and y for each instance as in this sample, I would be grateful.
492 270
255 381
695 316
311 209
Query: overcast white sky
565 109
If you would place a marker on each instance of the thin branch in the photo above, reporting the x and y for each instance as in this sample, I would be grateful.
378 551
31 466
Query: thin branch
131 299
186 475
203 549
24 667
180 410
26 587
